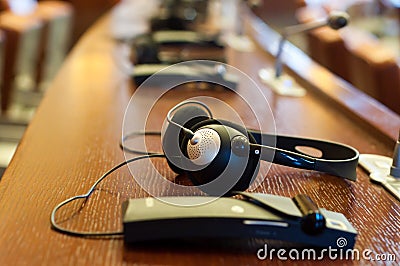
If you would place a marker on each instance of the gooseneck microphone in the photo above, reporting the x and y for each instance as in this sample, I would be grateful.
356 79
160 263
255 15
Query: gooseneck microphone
336 20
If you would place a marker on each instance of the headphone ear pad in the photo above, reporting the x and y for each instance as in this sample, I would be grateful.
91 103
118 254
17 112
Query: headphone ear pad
186 116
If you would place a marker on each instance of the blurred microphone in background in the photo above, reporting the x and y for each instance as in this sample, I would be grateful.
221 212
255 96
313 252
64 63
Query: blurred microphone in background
336 20
284 84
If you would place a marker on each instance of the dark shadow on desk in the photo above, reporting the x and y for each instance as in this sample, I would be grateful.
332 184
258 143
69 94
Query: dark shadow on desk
226 251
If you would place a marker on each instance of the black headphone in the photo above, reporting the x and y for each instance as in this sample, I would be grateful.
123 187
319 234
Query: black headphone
179 15
220 156
146 47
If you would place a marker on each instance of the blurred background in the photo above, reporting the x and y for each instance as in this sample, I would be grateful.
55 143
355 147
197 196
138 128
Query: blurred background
36 37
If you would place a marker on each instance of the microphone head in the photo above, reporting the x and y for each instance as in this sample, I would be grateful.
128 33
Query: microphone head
204 146
338 19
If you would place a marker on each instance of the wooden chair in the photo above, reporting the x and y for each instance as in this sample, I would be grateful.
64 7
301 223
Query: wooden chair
57 17
36 46
2 46
22 35
9 136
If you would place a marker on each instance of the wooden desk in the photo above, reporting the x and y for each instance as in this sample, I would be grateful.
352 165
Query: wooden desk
73 139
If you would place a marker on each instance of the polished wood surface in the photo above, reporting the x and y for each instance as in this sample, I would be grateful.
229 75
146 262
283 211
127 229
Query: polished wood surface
73 139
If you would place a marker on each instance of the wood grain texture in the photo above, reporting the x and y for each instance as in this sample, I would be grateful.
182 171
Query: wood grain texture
73 139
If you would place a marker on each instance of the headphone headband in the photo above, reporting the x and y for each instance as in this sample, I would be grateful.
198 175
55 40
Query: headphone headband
337 159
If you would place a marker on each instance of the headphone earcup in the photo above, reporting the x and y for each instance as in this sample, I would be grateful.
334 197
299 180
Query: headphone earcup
186 116
226 165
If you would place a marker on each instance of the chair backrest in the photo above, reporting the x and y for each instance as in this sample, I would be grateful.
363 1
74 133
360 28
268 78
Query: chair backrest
328 48
374 70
